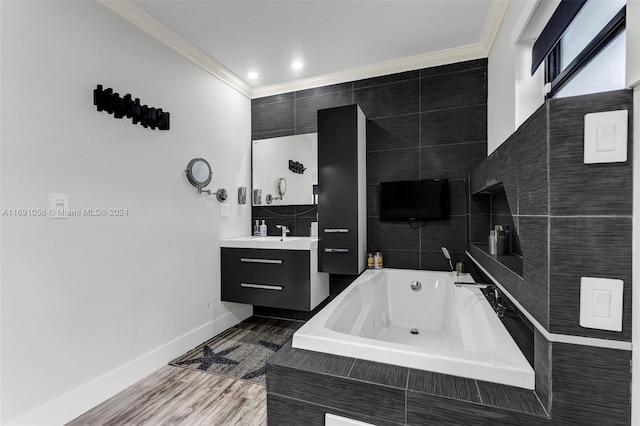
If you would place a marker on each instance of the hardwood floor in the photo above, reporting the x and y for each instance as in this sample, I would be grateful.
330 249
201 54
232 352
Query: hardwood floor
179 396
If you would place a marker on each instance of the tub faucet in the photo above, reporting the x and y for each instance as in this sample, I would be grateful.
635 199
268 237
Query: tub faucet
284 229
446 254
477 285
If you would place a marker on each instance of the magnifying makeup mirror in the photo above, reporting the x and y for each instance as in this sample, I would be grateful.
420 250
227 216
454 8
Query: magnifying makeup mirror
199 175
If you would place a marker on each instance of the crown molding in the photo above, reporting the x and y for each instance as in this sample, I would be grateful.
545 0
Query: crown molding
159 31
138 17
441 57
497 10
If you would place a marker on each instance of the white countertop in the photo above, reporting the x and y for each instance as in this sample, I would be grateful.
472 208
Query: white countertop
288 243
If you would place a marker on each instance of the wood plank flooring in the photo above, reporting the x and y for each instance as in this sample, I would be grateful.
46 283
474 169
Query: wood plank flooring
179 396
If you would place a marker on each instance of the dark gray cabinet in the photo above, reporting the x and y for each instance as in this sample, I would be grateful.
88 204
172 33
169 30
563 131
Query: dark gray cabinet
342 190
273 278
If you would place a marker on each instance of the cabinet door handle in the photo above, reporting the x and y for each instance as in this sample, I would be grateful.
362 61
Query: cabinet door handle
336 230
336 250
251 260
262 286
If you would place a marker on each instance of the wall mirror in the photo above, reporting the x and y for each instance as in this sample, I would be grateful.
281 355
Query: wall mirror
285 170
199 173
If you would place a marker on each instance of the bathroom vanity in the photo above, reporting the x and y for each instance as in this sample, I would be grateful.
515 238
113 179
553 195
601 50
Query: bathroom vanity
273 271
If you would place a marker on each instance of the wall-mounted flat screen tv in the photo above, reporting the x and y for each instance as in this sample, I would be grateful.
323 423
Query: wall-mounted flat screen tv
414 200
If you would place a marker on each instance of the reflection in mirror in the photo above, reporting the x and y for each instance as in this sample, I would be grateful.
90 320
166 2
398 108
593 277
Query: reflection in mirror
286 164
282 187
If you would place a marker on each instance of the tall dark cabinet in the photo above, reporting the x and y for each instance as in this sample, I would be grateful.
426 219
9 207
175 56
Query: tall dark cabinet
342 190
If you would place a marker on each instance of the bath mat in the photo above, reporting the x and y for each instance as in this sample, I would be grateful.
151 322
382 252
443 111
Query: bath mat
242 351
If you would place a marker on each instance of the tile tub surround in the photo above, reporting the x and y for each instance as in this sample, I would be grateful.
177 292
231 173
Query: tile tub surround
422 124
573 219
304 385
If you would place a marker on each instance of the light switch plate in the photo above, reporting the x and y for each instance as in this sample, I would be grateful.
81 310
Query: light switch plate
605 137
225 210
601 303
59 206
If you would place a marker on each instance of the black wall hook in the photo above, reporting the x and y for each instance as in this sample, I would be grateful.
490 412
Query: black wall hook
107 100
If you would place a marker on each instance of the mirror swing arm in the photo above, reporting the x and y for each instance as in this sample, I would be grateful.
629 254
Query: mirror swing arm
199 175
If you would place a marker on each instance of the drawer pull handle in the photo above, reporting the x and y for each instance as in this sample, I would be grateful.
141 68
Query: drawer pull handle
262 286
251 260
336 250
336 230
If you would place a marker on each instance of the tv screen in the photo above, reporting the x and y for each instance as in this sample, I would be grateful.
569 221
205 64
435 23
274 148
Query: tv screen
414 200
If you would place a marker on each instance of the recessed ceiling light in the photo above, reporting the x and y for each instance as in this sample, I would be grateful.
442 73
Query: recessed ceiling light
252 75
297 65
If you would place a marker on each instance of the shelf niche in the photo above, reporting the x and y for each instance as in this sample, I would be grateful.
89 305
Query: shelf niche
491 207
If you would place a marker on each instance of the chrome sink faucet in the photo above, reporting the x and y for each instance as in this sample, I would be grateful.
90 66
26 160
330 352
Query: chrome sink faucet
284 229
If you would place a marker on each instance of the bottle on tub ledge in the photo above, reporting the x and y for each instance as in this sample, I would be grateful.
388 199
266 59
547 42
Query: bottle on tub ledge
377 259
499 240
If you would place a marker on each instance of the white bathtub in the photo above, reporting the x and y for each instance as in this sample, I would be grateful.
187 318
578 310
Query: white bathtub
459 333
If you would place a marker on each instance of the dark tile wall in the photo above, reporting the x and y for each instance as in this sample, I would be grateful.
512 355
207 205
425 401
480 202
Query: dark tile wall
573 219
428 123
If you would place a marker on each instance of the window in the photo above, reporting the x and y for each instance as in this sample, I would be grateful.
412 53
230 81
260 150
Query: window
583 47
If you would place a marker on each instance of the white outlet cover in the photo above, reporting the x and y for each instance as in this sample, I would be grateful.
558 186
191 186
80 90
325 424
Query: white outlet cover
601 303
605 137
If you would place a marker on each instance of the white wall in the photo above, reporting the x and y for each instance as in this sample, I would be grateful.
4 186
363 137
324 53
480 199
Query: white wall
513 93
84 296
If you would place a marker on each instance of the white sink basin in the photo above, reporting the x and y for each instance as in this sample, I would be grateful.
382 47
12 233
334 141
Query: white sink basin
288 243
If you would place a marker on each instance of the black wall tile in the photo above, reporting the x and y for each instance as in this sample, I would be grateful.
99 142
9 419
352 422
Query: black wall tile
534 293
392 235
386 79
458 197
389 99
542 367
454 68
382 402
454 387
429 410
448 233
324 90
588 247
316 362
273 117
510 398
531 158
454 90
586 189
272 99
401 131
450 126
394 165
455 162
400 259
383 374
590 385
285 411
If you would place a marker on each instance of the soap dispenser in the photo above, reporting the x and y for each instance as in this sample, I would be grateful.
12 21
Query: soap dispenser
263 229
256 228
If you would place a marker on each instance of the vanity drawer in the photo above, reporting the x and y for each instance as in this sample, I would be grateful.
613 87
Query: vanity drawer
276 291
265 261
338 257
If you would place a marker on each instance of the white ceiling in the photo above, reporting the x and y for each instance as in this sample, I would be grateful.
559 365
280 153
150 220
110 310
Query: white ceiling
331 38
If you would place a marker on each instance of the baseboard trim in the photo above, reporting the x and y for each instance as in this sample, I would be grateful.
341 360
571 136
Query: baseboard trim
71 405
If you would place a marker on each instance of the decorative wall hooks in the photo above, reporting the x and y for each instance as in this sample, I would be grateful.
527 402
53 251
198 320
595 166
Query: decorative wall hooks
296 167
107 100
